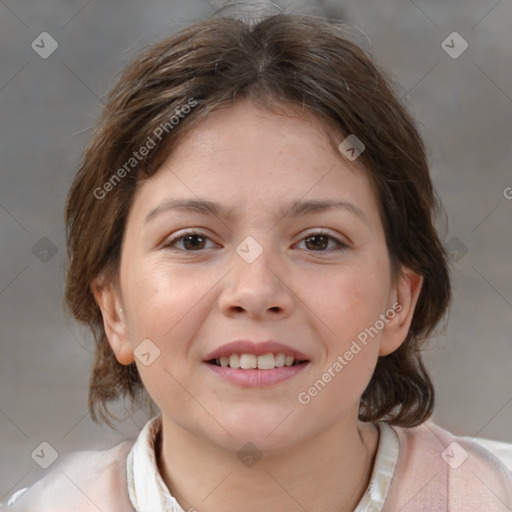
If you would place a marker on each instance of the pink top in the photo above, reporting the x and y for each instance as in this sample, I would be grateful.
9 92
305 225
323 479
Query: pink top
421 469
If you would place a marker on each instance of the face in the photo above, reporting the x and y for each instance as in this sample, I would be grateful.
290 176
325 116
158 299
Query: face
255 238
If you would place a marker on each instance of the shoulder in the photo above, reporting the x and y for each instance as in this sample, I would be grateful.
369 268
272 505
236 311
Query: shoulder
498 448
436 467
84 481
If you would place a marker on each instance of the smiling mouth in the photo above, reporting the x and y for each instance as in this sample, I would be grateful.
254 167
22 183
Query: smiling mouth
251 361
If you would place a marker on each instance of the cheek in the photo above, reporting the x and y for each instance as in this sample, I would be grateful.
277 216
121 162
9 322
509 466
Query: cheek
163 307
351 300
349 304
153 302
165 302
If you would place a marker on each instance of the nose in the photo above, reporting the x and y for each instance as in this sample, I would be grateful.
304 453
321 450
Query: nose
257 290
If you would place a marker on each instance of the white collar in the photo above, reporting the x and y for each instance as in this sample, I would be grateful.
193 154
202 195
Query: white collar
146 488
148 492
386 460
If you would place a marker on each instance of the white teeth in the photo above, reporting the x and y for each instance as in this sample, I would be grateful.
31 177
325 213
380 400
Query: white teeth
248 361
279 360
266 362
251 361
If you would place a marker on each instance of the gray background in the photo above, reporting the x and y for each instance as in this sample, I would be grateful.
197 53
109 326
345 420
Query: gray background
48 107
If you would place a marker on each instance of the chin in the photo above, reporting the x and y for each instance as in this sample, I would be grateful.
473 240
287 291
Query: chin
267 434
257 443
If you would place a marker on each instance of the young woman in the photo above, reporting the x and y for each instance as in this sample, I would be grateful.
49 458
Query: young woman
251 241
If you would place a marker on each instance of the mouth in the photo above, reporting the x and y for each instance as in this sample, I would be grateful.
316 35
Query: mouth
246 361
249 364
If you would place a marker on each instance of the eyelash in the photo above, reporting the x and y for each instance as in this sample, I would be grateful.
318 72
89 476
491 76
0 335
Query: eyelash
172 241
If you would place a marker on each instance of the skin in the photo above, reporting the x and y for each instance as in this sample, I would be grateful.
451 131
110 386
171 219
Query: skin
252 162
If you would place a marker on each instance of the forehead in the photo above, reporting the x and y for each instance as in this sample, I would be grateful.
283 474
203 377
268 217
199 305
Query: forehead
239 127
248 157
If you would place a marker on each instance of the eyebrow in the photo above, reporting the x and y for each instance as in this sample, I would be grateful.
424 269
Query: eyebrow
295 209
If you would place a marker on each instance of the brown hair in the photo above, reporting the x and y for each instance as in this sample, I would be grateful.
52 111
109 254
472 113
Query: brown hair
281 62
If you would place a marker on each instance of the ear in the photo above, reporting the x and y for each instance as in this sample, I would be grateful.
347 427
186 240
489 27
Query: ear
400 311
114 320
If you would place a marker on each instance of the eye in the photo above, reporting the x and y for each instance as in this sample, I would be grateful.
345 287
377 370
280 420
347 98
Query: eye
322 242
189 241
193 241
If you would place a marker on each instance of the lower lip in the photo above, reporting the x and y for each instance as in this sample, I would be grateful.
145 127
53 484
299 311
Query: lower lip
257 378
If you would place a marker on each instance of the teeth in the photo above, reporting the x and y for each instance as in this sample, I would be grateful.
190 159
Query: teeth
266 362
251 361
234 361
248 361
279 360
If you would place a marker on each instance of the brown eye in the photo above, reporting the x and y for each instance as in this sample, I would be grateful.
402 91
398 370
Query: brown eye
193 242
317 242
189 242
322 242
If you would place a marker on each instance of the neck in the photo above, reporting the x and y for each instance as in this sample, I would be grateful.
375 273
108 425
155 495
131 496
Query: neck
327 473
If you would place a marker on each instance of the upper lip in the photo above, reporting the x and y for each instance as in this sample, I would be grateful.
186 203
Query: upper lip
256 348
